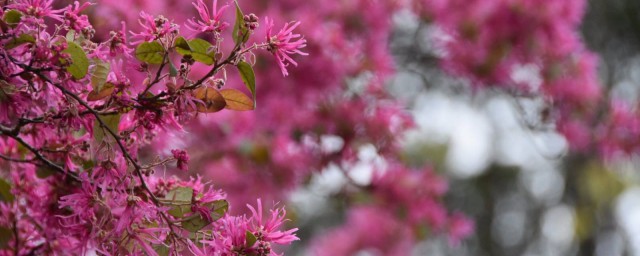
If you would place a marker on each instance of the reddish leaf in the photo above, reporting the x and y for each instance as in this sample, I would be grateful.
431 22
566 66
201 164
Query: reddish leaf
213 100
236 100
106 91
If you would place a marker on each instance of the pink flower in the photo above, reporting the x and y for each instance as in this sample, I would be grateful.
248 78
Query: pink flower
153 28
268 229
74 20
208 23
182 157
460 227
285 42
36 8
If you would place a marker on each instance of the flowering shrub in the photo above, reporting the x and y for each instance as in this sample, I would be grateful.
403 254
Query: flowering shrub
76 113
92 120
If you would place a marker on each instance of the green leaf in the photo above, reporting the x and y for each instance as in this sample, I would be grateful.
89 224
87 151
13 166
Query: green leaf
5 191
180 194
43 172
150 52
79 66
248 78
17 41
251 239
5 236
180 199
173 71
99 74
194 224
240 30
218 209
112 121
200 50
12 17
161 249
182 44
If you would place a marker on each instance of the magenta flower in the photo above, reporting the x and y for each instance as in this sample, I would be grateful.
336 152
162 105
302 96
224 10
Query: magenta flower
153 28
74 19
208 23
36 8
268 229
284 43
182 159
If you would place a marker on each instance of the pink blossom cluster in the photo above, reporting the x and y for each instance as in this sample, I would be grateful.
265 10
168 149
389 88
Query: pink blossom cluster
405 209
76 115
487 40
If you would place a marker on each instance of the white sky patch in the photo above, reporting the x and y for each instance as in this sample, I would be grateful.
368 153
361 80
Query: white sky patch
467 130
528 74
558 226
331 143
627 212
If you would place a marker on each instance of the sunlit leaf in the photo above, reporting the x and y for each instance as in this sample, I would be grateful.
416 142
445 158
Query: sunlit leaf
99 74
199 49
218 209
112 122
79 66
212 99
180 201
236 100
150 52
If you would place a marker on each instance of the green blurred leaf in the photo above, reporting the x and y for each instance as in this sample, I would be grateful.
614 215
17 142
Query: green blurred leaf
43 172
150 52
218 209
12 17
17 41
5 236
180 200
99 75
79 66
161 249
251 239
112 121
5 191
173 71
248 78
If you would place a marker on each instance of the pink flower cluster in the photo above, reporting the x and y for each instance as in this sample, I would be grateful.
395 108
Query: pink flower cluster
405 203
75 116
487 40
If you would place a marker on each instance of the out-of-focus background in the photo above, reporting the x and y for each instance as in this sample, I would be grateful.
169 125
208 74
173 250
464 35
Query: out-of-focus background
528 194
